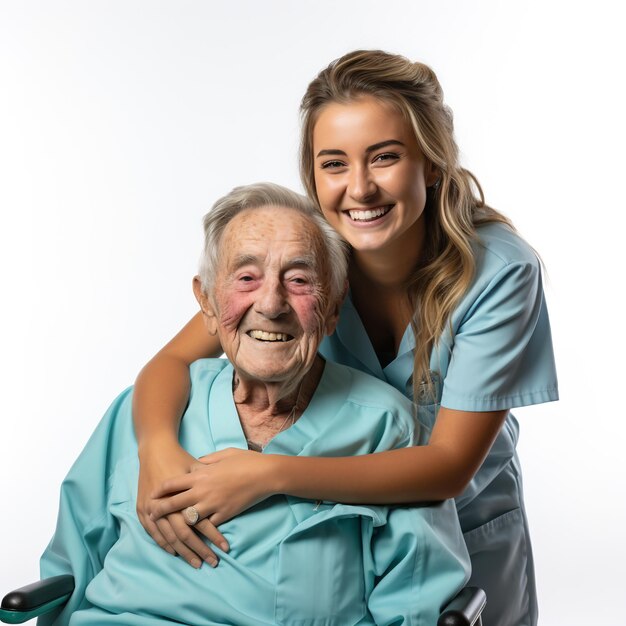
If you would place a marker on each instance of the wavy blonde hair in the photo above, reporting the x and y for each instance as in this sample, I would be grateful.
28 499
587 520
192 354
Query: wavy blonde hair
455 205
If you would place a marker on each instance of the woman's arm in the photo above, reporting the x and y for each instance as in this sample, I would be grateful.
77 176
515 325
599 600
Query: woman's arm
441 469
162 387
231 481
159 399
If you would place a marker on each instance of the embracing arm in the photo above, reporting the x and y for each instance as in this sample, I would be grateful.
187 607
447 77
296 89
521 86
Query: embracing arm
232 480
441 469
162 387
160 395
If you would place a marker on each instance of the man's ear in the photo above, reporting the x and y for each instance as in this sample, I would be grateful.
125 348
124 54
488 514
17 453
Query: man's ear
208 311
333 315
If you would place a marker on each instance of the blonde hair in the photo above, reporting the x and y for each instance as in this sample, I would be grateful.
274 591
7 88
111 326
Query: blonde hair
455 205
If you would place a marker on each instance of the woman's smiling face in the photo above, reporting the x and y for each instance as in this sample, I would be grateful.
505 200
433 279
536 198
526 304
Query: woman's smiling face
370 174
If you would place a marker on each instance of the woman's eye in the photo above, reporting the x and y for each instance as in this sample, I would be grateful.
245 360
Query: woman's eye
246 278
332 165
386 156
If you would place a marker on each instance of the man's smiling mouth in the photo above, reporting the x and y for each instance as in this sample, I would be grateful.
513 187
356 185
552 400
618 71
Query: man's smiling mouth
263 335
366 215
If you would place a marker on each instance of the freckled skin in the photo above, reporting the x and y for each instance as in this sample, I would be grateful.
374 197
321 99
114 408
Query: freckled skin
272 291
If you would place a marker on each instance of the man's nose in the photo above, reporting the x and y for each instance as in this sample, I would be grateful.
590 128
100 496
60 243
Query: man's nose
361 185
272 300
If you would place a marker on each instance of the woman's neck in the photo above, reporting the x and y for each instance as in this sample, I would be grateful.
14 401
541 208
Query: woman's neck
389 268
378 282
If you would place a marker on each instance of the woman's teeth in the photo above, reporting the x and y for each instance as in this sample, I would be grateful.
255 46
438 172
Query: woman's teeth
369 214
265 336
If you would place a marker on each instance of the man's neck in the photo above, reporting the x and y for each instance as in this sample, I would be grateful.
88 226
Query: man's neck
265 409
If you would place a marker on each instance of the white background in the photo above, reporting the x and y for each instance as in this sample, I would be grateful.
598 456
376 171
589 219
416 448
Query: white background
121 122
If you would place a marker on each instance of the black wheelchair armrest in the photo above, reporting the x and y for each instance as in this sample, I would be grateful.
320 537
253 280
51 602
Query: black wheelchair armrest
464 609
36 599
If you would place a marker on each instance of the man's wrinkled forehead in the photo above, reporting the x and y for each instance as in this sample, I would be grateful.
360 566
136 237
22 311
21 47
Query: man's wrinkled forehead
303 261
275 221
253 234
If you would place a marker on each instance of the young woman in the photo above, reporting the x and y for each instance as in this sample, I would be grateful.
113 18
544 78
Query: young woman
445 303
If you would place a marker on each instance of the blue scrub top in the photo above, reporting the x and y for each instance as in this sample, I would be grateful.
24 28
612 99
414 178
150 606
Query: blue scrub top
496 354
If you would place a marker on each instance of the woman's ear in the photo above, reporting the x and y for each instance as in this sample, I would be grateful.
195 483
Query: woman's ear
208 311
432 174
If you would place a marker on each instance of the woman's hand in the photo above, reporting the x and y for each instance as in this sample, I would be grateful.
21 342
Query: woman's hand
171 532
220 487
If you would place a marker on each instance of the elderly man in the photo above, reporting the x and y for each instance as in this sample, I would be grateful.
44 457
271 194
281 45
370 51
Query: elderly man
271 282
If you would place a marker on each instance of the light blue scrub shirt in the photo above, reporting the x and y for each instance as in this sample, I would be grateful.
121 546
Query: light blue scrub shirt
292 561
497 355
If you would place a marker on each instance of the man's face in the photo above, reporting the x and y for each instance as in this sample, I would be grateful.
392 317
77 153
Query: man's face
271 296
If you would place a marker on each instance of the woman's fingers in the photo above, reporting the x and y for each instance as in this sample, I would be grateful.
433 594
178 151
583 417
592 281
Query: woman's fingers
157 464
153 530
173 485
217 518
220 455
185 541
212 534
178 502
179 547
190 538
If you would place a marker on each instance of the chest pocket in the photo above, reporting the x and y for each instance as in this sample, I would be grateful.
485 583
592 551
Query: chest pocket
323 566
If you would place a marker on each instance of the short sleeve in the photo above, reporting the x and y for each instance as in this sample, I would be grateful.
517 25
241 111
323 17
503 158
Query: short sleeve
501 353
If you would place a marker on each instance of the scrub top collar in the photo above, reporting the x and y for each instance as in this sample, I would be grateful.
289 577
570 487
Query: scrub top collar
225 425
352 334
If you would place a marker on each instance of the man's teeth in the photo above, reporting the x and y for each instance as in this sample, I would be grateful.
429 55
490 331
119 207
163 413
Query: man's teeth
369 213
265 336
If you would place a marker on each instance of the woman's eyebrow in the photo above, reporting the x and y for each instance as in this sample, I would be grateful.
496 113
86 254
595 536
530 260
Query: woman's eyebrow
372 148
384 144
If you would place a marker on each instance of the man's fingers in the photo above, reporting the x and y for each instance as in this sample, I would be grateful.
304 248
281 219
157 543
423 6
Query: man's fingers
212 534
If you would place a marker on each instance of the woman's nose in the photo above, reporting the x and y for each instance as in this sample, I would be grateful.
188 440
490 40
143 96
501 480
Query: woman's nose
361 186
272 299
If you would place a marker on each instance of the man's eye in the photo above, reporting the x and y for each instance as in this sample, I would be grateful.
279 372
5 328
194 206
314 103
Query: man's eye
246 278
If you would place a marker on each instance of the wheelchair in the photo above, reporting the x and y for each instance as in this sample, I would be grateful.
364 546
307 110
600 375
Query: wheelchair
41 597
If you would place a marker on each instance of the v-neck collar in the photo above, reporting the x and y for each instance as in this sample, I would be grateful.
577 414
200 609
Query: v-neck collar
225 425
351 332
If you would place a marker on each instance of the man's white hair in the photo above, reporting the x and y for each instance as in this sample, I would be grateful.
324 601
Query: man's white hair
261 195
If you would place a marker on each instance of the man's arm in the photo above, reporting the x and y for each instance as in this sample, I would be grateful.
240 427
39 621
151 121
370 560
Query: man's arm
85 529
